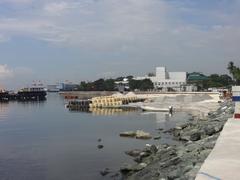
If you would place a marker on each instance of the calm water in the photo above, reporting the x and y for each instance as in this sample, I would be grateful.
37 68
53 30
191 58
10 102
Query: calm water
44 141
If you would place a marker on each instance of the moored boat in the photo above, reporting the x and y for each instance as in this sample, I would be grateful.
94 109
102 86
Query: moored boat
35 92
155 109
4 96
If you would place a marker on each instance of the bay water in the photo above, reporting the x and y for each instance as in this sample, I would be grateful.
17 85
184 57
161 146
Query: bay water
46 141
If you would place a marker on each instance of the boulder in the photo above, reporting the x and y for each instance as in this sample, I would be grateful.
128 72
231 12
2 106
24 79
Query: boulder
127 168
100 146
157 137
195 136
128 134
134 153
142 135
105 172
209 130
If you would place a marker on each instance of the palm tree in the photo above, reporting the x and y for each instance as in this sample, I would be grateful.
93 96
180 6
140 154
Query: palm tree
234 71
231 67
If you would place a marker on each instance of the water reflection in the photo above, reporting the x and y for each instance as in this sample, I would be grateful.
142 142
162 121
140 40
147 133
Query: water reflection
32 103
167 121
106 111
4 110
44 141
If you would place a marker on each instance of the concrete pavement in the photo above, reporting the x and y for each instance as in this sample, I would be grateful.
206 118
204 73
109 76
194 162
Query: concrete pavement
224 160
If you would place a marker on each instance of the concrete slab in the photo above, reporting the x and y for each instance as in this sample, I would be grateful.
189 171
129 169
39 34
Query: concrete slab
224 160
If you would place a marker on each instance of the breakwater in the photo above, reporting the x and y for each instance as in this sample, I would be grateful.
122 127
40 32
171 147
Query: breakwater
196 138
103 102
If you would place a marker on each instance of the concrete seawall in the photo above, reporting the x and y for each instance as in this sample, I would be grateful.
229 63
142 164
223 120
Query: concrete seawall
224 160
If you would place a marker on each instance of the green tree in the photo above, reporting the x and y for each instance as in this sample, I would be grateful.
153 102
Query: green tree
235 72
142 85
109 85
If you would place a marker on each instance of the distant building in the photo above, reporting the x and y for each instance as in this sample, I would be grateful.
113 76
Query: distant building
122 85
165 80
197 79
53 88
68 86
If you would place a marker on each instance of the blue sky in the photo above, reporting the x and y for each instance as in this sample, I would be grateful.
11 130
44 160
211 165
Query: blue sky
57 40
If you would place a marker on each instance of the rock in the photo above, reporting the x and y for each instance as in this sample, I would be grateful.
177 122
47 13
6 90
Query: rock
139 134
185 138
173 174
100 146
195 136
105 172
115 175
176 133
187 168
127 168
153 149
183 160
178 128
128 134
144 154
157 137
140 166
134 153
209 130
218 128
142 135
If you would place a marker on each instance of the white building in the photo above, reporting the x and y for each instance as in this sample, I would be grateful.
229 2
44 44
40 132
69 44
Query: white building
165 79
122 85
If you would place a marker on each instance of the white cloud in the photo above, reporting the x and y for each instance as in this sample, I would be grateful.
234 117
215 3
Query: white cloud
5 71
35 28
16 1
151 29
58 8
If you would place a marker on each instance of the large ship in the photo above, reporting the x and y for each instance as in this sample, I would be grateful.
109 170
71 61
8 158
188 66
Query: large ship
35 92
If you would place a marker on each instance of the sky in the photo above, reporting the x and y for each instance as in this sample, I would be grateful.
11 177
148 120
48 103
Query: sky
57 40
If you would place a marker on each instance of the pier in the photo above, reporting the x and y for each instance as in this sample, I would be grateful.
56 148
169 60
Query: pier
22 96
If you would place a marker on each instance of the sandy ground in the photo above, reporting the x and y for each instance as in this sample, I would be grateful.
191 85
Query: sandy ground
198 104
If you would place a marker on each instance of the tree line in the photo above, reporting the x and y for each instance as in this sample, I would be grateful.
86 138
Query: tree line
110 85
213 80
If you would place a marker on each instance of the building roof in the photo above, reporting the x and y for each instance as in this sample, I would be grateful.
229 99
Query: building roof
195 76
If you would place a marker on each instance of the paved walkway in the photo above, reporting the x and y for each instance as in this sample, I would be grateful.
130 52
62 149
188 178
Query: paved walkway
224 160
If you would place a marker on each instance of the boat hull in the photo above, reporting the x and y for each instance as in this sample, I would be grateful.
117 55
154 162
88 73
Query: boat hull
154 109
31 95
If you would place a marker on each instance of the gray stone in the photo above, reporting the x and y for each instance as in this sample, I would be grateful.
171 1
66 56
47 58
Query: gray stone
128 134
134 153
209 130
157 137
142 135
105 172
100 146
195 136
